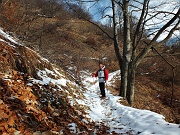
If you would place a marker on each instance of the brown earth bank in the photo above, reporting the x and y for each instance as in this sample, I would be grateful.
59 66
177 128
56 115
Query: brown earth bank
28 109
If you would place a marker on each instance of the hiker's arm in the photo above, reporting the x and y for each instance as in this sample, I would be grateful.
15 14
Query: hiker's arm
95 74
106 74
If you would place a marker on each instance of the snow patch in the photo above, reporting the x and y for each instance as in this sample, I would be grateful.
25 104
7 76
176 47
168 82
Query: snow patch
8 37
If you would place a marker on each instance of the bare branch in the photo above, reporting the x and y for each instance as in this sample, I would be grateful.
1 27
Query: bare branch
170 34
91 22
107 16
139 23
163 57
118 3
175 54
167 25
153 41
101 29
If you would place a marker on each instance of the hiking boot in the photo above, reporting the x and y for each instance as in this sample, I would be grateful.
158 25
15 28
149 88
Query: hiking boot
103 97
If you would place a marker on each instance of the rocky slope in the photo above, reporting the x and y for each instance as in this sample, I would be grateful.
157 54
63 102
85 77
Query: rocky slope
36 97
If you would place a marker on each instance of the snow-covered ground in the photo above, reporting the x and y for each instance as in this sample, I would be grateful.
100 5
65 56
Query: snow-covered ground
119 118
122 119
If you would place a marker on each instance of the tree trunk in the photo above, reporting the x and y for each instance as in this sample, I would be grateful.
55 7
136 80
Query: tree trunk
116 45
131 83
124 75
126 49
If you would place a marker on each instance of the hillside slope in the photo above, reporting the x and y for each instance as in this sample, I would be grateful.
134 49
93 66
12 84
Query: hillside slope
63 39
36 97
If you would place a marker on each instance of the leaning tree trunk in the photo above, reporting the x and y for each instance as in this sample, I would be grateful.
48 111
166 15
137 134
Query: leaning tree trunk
116 45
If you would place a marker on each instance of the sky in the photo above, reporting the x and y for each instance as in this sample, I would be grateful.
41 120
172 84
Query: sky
96 8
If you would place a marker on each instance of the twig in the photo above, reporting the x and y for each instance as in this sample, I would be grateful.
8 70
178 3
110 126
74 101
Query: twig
173 73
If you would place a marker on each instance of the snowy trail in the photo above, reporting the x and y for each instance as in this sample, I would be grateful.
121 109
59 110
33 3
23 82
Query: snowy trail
122 119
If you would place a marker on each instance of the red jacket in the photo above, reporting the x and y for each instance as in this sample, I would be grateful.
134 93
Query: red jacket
105 72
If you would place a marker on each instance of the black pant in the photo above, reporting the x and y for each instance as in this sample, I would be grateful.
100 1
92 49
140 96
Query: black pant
102 88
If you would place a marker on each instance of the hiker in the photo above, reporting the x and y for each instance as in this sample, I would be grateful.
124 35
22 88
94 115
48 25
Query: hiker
102 75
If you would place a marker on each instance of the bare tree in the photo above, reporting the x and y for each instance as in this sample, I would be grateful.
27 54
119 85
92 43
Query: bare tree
130 59
152 20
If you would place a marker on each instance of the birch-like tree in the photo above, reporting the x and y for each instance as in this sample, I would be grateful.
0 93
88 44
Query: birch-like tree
158 20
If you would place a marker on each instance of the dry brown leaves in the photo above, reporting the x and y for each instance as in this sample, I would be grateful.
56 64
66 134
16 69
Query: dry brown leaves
35 109
22 110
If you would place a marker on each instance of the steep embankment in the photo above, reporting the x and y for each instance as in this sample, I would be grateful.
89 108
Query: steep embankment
15 56
35 96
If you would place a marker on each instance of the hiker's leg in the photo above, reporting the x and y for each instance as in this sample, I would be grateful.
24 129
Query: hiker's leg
102 88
